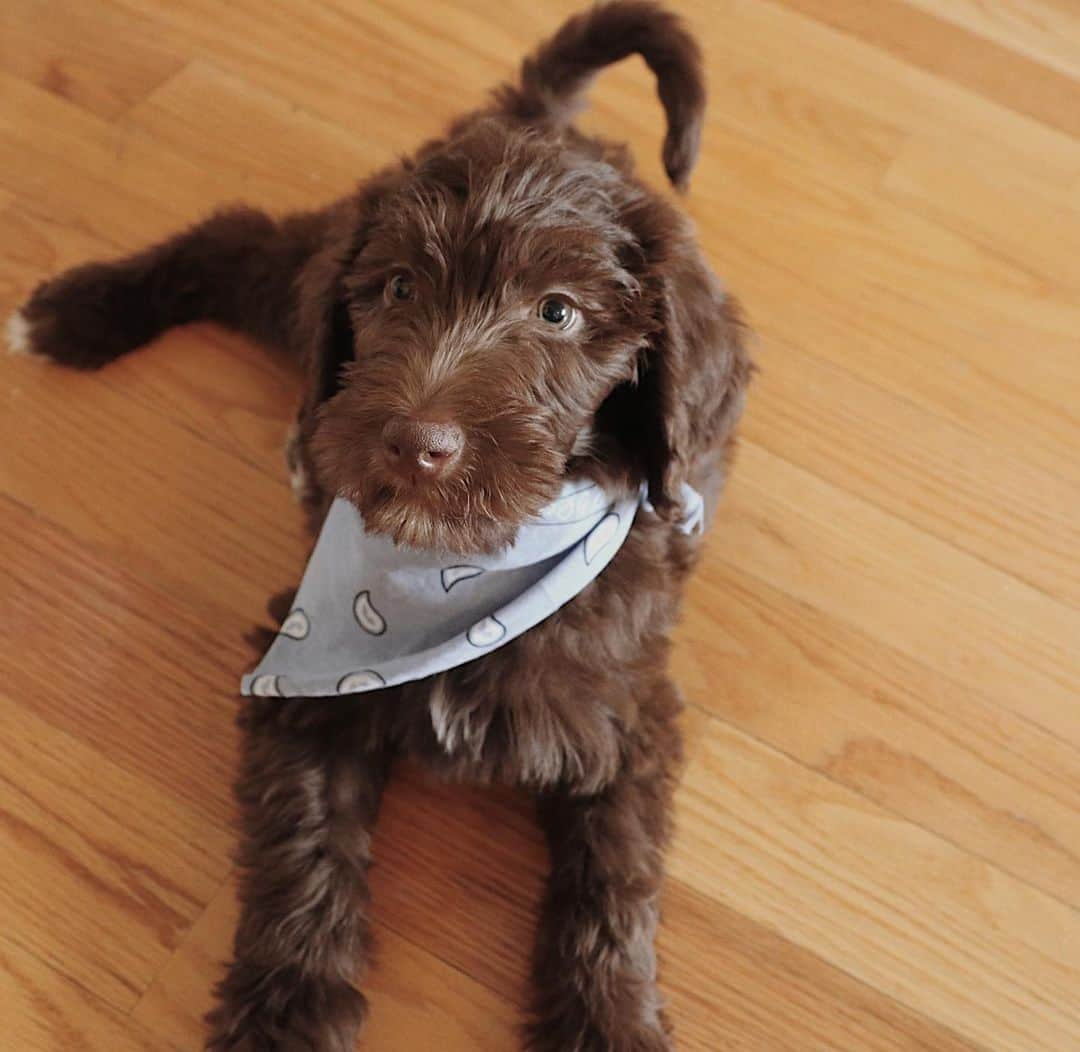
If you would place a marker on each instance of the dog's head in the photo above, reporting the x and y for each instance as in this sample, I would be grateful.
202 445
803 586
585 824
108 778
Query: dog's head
510 307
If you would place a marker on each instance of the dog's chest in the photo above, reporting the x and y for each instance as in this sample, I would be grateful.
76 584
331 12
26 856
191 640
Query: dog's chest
541 733
551 706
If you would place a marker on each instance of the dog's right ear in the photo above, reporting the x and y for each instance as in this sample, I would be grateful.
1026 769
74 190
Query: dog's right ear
321 322
692 388
321 327
678 418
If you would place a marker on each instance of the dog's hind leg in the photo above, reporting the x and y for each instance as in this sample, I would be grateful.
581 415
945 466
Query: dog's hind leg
309 792
237 268
594 969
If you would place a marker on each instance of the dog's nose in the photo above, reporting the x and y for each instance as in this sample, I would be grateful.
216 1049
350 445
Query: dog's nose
421 447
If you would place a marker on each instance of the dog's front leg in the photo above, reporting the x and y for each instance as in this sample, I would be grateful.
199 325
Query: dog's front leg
595 963
237 268
309 792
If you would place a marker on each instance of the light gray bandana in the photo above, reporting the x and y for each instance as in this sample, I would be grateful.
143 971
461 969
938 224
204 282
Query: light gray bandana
370 614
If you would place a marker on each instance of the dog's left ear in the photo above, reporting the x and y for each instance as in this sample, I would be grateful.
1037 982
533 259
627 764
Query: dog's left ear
321 320
692 381
322 330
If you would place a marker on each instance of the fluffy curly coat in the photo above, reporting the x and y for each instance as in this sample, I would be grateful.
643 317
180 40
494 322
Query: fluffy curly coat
417 296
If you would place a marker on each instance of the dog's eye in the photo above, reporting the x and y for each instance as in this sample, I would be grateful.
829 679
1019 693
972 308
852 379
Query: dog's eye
557 312
401 287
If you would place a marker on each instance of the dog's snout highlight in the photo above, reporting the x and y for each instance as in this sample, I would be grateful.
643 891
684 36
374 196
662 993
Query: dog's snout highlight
416 448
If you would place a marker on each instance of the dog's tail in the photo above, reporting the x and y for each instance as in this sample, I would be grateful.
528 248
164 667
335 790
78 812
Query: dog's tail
554 78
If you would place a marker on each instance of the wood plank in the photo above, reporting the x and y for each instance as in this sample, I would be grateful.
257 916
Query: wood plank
940 931
92 176
442 882
920 468
36 247
381 72
952 51
154 675
737 985
782 234
1005 207
884 724
43 1010
260 146
833 319
1047 33
774 105
950 611
845 68
199 90
103 61
101 874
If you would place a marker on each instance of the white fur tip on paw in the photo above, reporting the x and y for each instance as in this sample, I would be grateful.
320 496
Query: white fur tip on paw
298 483
17 332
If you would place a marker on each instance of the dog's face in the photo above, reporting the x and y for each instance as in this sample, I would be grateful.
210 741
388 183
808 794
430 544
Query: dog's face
493 309
496 300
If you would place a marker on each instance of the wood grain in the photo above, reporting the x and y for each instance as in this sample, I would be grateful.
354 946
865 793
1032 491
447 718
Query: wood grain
879 828
1049 33
99 59
942 607
43 1010
102 875
867 716
974 59
989 956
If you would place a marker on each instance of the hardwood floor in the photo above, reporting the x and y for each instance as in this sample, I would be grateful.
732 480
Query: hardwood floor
879 830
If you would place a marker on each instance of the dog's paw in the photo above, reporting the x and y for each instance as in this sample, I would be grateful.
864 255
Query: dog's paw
43 327
19 336
566 1033
285 1014
83 318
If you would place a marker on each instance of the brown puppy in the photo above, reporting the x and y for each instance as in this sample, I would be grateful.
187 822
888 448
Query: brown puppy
508 309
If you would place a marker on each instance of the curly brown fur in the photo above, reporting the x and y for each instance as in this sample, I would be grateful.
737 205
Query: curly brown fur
418 297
